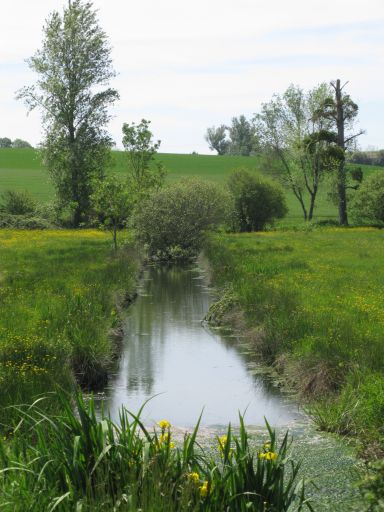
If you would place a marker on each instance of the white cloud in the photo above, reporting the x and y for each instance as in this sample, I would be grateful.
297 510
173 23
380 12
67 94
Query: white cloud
188 65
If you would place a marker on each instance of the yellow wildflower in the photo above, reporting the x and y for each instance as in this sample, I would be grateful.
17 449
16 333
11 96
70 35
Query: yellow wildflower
163 424
268 456
193 477
222 442
204 489
165 439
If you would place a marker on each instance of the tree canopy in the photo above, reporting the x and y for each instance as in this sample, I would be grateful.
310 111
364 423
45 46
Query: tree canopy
74 68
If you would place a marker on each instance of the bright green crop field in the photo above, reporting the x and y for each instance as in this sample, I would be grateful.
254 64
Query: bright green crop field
22 169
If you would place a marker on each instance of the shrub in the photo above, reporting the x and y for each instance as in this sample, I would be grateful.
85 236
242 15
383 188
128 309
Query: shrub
372 487
368 203
172 221
23 222
257 201
17 202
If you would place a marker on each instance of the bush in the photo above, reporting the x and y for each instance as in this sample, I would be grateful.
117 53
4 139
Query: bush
23 222
257 201
17 202
368 203
372 487
172 221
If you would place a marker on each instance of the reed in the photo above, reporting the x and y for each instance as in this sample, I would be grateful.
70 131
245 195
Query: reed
77 461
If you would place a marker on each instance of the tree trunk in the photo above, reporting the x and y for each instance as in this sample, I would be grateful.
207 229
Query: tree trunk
312 206
301 201
341 175
77 216
115 237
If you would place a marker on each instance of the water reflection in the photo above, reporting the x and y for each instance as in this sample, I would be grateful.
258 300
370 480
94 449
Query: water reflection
168 350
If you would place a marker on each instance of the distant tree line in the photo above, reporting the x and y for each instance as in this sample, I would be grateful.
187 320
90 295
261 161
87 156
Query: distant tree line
240 138
6 142
305 138
367 157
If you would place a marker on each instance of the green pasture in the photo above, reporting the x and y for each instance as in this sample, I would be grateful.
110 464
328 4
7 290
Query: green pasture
22 169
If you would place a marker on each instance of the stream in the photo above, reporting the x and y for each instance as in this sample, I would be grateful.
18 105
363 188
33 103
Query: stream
171 355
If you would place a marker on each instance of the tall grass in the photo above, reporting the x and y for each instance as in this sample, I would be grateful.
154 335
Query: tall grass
58 296
78 462
312 302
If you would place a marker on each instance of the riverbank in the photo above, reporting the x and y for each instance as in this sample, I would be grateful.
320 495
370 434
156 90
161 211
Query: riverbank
60 294
311 303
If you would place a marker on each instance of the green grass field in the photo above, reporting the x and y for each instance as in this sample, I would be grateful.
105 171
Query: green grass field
22 169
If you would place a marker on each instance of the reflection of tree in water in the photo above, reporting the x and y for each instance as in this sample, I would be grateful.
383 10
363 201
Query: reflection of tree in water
171 299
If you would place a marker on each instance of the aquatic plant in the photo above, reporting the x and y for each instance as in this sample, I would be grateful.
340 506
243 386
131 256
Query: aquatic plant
76 461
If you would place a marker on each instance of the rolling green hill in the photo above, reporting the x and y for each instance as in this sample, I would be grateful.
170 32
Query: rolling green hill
22 169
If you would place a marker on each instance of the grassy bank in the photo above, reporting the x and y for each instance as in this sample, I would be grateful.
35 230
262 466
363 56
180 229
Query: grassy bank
58 296
312 303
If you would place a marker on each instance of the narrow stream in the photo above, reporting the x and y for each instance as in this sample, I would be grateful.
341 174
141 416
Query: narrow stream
169 352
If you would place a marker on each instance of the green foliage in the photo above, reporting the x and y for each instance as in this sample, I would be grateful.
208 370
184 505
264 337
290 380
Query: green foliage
372 487
341 111
216 138
172 221
5 142
57 302
293 132
24 222
243 137
20 143
368 203
367 157
257 201
356 174
17 202
73 66
145 173
79 462
113 202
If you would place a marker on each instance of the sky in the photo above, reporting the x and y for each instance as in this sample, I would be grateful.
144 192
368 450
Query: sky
188 65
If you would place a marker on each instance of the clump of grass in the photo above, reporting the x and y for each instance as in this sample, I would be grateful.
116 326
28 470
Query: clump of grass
78 462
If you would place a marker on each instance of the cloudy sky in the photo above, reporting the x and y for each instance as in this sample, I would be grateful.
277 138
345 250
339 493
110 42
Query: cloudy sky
187 65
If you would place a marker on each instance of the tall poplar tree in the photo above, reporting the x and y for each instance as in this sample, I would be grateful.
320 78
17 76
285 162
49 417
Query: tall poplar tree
74 68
